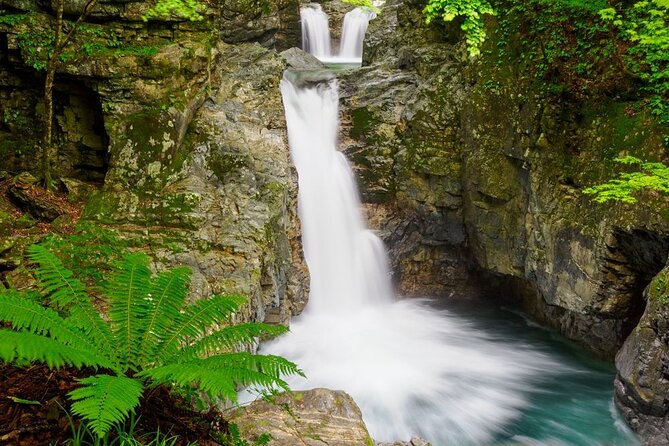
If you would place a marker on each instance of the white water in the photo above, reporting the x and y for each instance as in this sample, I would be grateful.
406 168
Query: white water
412 369
353 33
316 34
315 31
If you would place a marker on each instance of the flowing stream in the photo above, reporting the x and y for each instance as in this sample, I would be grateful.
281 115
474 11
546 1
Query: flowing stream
455 376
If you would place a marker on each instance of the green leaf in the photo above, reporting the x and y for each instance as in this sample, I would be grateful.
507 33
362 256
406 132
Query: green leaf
168 295
105 400
195 321
23 346
220 375
231 338
128 293
22 401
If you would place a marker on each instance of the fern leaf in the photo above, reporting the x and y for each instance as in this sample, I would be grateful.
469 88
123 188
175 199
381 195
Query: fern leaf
24 346
168 295
65 291
220 375
128 292
105 400
56 280
26 314
195 321
231 338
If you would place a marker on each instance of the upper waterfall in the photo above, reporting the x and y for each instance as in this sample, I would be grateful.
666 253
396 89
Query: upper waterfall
353 33
316 37
315 31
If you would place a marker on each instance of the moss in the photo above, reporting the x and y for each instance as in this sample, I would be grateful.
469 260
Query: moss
363 122
225 162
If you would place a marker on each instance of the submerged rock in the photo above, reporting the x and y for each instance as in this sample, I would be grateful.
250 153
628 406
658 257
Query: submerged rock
312 418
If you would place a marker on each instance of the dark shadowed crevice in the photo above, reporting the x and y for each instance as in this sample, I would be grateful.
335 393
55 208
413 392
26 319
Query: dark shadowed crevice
81 135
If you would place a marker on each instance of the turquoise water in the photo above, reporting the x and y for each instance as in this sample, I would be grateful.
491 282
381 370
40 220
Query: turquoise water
572 408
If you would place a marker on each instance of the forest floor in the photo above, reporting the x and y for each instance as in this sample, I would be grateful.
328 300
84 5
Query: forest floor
33 403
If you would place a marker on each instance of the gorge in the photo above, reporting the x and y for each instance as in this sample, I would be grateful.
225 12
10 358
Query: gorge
466 169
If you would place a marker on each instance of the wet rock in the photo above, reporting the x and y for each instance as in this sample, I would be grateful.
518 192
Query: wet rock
466 184
301 60
313 417
642 383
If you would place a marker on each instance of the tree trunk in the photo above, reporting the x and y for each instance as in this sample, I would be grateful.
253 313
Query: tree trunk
49 151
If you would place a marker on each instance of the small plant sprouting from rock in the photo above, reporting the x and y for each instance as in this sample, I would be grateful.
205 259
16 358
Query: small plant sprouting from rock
471 11
152 337
652 176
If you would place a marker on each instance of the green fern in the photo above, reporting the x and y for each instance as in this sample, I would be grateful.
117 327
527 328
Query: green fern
153 337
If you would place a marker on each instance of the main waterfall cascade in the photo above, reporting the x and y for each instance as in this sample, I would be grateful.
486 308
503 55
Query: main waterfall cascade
414 369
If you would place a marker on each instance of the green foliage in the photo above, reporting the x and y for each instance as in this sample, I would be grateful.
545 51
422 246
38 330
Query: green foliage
562 44
366 4
234 438
646 26
187 9
126 435
471 12
152 337
652 176
89 252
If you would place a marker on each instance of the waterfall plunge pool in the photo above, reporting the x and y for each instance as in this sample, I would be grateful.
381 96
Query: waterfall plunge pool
462 373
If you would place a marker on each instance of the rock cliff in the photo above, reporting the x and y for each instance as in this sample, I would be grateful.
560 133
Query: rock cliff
472 172
176 129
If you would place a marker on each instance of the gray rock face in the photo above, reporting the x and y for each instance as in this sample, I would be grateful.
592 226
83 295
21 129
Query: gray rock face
642 384
313 418
476 190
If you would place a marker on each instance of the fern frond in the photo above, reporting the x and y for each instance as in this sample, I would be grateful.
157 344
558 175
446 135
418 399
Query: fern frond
24 346
65 291
26 314
105 400
128 290
169 291
231 338
195 321
56 280
220 375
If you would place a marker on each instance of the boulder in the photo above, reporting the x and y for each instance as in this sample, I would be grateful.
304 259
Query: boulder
301 60
312 418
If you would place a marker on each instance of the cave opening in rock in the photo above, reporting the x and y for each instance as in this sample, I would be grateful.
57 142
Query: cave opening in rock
80 132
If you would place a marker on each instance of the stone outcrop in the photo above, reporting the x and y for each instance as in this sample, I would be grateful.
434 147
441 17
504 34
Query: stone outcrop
642 384
313 418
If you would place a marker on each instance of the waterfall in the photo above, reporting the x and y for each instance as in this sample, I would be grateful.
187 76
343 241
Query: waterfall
316 34
338 229
413 369
315 31
353 33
